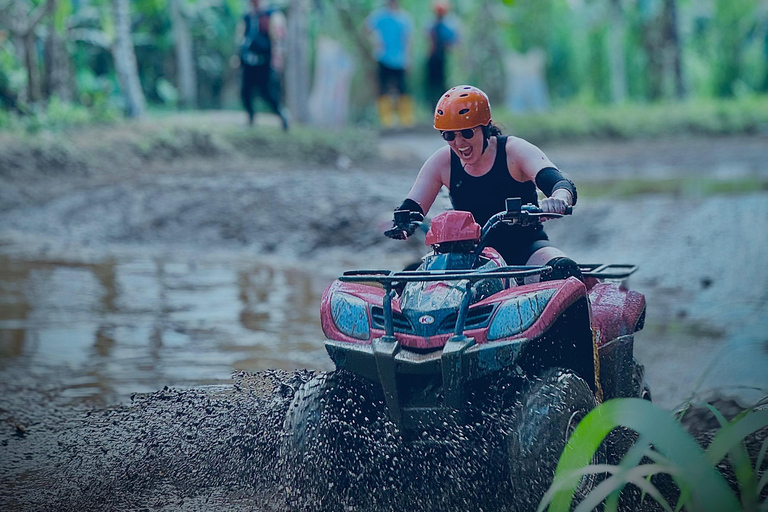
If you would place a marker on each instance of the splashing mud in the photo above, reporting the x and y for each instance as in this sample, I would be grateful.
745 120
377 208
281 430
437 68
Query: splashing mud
225 447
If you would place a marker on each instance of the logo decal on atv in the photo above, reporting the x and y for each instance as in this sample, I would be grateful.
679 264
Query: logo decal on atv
426 319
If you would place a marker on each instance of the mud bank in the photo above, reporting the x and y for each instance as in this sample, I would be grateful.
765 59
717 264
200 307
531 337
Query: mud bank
698 253
78 230
224 448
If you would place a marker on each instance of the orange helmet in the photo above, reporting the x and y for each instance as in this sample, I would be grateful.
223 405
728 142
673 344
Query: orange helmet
463 106
441 8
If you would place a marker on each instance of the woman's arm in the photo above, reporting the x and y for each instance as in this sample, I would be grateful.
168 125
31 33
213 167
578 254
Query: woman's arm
526 162
435 173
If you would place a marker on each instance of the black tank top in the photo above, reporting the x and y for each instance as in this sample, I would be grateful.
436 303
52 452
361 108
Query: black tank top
257 39
484 196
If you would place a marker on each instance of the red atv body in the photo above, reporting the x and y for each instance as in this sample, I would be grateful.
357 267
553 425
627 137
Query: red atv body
449 326
466 335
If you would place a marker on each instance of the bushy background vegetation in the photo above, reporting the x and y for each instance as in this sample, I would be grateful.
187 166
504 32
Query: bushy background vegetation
665 65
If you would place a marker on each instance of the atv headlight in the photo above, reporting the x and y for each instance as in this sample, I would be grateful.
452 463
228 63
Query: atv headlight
516 315
350 315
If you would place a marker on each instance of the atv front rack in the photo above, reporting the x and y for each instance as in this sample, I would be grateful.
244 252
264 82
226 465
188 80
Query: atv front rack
390 280
449 369
607 270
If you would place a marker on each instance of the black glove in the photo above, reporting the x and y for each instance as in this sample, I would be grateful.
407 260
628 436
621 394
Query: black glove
404 224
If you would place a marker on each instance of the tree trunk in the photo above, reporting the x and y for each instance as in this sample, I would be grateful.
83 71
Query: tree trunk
58 68
675 50
661 38
485 64
185 59
125 60
618 70
653 42
31 63
297 62
22 25
352 20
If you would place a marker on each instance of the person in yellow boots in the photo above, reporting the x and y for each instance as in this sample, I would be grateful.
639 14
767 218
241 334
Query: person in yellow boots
392 29
405 110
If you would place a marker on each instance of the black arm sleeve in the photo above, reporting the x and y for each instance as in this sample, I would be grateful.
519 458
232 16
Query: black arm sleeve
410 205
550 179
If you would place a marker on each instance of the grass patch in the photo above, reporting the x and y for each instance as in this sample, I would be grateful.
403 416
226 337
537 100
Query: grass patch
168 138
304 144
742 115
57 116
682 187
672 451
747 115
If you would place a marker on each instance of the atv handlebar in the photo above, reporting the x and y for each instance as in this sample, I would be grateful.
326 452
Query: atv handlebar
523 214
406 221
516 213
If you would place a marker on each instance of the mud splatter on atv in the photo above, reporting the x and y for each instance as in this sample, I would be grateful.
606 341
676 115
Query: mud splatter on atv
511 357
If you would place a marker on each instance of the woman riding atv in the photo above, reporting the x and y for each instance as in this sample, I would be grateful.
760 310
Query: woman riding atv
481 168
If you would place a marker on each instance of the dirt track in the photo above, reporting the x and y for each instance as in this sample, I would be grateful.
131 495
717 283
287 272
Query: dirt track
700 255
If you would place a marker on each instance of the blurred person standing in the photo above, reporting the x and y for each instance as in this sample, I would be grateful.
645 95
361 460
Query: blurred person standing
261 55
443 33
392 30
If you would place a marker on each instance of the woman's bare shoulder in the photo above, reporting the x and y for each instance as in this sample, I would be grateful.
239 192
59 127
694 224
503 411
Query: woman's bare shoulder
442 155
439 162
524 159
520 146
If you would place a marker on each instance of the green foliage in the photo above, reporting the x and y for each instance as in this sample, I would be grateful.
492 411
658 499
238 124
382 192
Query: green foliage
723 46
95 91
62 13
681 187
12 76
307 145
56 116
672 451
740 115
735 21
167 92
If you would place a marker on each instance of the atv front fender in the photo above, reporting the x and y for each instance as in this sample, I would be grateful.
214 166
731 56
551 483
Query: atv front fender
460 361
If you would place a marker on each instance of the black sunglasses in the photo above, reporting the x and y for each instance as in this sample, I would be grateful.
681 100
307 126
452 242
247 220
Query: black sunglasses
467 133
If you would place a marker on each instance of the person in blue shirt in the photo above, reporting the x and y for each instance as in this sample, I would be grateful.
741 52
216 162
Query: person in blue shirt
443 34
392 30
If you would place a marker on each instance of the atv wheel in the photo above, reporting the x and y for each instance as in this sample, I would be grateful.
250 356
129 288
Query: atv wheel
550 409
638 380
326 403
331 429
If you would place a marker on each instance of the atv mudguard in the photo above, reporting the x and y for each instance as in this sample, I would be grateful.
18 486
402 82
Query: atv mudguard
617 313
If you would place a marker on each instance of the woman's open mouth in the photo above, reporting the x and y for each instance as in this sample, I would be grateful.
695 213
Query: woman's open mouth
465 152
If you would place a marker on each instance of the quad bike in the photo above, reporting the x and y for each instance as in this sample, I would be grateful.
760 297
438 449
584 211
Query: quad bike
465 334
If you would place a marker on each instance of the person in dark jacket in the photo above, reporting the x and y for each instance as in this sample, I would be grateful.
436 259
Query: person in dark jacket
257 60
481 168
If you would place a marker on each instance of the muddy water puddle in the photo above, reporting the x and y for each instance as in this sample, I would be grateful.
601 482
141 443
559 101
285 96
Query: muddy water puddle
97 332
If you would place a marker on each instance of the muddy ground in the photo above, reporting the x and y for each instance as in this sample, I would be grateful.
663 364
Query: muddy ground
105 193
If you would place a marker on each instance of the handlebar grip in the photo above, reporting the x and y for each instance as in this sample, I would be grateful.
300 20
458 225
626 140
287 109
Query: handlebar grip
569 210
